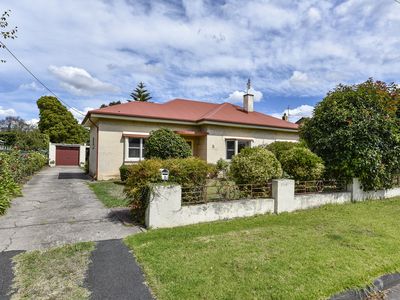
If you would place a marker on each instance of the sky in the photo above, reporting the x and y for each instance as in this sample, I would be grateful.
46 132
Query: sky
92 52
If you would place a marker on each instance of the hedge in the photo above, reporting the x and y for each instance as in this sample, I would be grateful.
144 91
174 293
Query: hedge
15 168
184 171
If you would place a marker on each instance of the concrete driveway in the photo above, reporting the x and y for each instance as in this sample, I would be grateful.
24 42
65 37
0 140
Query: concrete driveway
57 208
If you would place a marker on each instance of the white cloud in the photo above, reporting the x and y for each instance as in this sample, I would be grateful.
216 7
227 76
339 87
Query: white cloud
79 114
296 113
7 112
237 96
31 87
32 122
314 15
79 82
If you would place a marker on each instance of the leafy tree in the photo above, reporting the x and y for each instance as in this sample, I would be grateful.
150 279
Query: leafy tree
110 104
164 143
140 93
58 123
7 33
356 132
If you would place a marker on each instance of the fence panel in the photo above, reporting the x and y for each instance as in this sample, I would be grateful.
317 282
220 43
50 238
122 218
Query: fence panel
225 191
320 186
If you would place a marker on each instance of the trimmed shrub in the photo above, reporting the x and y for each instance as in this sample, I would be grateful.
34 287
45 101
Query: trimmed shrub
164 143
302 164
124 171
184 171
254 166
277 148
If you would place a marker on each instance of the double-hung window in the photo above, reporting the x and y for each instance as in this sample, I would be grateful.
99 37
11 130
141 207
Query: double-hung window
234 147
135 149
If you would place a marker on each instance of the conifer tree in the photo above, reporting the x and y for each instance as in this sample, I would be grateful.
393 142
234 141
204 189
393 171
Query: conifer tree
140 93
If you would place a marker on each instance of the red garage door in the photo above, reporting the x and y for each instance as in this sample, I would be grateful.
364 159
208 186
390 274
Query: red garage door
67 156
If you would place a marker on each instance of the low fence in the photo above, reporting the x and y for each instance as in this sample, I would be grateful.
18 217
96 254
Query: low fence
225 191
320 186
171 205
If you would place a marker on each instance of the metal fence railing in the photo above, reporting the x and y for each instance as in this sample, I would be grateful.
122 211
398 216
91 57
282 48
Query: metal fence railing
320 186
225 191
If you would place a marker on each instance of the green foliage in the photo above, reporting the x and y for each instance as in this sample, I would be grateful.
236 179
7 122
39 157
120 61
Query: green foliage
277 148
254 166
15 167
140 93
58 123
212 171
112 103
356 132
32 140
222 165
184 171
124 172
8 137
301 164
164 143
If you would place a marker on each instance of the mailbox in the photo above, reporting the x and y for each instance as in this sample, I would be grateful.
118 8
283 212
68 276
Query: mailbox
164 174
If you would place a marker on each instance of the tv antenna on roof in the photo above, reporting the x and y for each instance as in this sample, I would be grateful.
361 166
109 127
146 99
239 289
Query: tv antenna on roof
248 85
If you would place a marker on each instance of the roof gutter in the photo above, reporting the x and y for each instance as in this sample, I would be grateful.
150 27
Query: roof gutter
206 122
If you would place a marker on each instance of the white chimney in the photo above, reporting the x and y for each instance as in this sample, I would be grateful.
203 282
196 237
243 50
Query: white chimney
248 99
248 102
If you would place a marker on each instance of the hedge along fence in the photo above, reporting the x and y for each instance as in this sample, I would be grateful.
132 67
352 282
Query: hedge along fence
15 168
189 171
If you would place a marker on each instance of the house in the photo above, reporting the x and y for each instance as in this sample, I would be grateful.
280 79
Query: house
118 133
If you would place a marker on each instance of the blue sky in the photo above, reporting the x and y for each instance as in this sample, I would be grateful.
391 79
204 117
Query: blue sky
92 52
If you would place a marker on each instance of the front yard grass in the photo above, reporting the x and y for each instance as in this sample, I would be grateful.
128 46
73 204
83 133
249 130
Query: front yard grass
110 193
57 273
302 255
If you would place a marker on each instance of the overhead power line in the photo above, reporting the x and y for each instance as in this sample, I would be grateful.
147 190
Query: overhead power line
38 80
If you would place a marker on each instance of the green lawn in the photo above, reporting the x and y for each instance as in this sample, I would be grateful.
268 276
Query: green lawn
303 255
57 273
111 193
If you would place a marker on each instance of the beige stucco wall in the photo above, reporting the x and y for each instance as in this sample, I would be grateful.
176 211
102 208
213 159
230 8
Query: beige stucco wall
210 147
111 143
217 135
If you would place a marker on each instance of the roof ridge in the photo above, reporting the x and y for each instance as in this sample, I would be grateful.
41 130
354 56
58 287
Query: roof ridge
214 110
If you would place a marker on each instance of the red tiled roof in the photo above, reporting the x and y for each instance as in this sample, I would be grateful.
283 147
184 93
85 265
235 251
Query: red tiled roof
193 111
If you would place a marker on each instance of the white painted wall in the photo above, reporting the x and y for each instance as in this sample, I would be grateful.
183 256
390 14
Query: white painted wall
52 154
165 209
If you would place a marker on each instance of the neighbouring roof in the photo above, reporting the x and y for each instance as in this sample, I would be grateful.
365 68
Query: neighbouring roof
192 111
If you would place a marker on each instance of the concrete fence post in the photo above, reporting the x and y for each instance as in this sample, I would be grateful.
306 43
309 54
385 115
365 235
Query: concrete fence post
164 202
283 193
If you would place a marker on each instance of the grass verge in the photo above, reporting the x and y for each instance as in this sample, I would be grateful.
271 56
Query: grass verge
57 273
302 255
110 193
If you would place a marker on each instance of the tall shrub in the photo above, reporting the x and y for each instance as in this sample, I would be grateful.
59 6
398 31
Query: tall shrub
254 166
278 147
164 143
301 164
355 130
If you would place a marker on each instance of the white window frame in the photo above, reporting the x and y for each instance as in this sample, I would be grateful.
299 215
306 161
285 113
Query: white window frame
236 146
141 156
